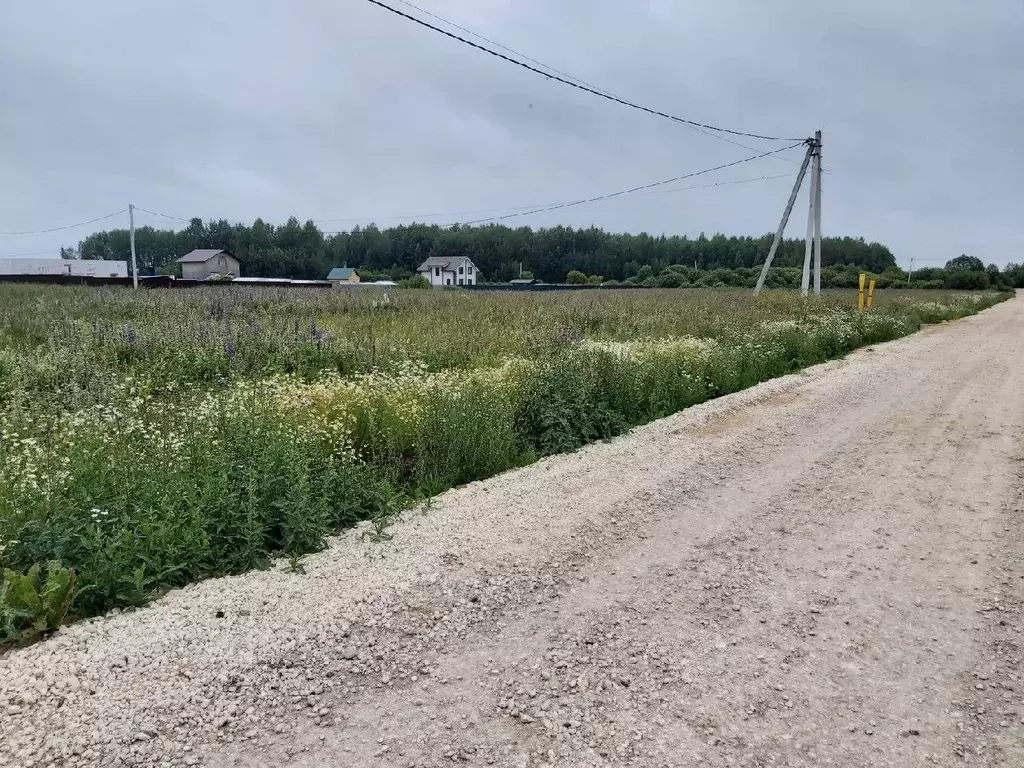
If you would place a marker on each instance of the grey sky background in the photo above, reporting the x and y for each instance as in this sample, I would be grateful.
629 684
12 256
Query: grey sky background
336 109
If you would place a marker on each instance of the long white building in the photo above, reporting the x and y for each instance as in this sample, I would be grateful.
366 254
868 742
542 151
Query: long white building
73 267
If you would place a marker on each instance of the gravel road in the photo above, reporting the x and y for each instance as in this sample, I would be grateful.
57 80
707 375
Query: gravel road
827 569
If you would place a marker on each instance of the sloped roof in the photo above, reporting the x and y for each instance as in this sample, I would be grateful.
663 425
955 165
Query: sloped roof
340 273
434 261
444 262
201 255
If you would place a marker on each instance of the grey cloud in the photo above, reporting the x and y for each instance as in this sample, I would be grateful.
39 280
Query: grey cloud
337 109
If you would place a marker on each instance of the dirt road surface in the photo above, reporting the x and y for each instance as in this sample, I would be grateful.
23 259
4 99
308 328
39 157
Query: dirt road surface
824 570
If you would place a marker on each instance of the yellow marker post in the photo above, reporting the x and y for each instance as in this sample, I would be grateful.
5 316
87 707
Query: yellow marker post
871 293
860 293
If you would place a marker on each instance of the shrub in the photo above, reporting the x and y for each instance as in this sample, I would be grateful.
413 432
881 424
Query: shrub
962 279
575 277
670 280
416 281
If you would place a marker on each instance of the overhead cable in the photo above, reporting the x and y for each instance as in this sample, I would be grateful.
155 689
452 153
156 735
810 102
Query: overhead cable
416 216
579 80
557 206
577 85
496 44
164 215
651 185
718 184
66 226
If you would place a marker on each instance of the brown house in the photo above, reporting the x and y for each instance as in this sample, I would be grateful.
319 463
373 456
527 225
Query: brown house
204 263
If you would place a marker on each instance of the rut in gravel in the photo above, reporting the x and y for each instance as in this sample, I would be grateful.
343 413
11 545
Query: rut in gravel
827 569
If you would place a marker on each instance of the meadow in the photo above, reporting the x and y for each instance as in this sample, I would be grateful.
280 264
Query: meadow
151 439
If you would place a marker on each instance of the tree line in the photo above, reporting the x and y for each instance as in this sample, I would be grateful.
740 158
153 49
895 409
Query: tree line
549 254
962 273
303 251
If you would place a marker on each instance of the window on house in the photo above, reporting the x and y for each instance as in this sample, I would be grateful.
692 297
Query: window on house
460 281
460 270
448 281
437 271
469 270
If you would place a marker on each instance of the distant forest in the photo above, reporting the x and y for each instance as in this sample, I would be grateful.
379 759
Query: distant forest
555 254
302 251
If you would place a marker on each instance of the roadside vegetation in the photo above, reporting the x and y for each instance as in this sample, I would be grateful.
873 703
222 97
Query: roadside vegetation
962 273
151 439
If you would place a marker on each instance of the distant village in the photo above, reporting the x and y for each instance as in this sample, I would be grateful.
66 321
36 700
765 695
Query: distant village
213 265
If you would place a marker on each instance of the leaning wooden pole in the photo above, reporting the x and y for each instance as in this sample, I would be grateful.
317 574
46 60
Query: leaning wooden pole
785 218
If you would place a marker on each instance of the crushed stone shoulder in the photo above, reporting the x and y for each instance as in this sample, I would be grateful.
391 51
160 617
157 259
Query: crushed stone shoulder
826 567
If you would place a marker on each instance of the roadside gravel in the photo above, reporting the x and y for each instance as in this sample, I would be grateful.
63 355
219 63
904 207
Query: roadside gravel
827 569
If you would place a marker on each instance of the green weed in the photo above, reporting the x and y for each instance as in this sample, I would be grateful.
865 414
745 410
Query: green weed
151 439
35 602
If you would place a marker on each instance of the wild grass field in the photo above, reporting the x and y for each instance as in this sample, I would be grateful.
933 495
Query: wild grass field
150 439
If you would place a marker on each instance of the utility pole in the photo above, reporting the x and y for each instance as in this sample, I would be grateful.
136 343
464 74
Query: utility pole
805 278
813 245
910 271
785 218
817 213
131 236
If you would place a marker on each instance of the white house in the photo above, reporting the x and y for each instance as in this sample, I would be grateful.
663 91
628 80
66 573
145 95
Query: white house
443 271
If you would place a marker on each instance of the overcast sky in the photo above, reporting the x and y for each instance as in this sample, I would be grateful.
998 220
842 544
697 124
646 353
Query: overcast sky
338 110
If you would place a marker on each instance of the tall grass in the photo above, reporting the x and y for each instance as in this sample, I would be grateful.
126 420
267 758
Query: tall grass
151 439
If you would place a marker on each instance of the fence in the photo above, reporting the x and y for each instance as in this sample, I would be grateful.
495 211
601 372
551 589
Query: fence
159 281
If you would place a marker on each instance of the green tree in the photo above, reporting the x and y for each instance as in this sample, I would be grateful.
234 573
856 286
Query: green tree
575 277
297 250
963 261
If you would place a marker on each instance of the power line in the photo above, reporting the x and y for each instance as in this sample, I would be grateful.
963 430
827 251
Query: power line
426 215
718 184
577 85
523 210
164 215
67 226
415 216
47 252
610 195
603 91
642 187
496 44
527 210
